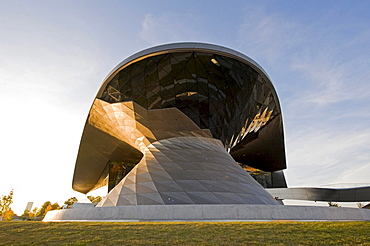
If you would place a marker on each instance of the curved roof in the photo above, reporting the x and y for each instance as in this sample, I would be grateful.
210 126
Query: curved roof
184 47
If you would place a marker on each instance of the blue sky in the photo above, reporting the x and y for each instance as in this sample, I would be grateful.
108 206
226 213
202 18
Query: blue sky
54 56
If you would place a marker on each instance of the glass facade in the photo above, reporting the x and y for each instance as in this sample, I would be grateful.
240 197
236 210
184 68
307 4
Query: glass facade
216 92
117 171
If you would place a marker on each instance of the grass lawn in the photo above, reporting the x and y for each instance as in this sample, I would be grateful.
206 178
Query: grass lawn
185 233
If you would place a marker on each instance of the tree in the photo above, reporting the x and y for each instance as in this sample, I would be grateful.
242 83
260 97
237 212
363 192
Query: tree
26 214
41 212
95 199
46 207
33 213
5 203
70 201
50 207
55 206
8 215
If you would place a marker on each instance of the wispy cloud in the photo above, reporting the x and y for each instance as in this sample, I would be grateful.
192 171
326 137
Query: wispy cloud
323 77
323 156
333 78
163 28
266 35
328 70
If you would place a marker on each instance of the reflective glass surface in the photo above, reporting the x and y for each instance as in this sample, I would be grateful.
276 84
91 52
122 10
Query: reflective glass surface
117 171
218 93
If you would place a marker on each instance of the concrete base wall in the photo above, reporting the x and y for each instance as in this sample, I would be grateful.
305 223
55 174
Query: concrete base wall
207 213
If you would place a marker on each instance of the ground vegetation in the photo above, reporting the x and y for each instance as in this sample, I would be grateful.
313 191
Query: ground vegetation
184 233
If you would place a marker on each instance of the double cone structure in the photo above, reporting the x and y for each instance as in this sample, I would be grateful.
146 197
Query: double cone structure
177 123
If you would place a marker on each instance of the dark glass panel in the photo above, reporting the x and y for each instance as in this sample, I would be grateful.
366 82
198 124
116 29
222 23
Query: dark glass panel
179 73
154 60
181 58
117 171
212 107
218 82
215 71
128 92
190 66
151 75
163 74
152 91
188 75
137 81
204 122
167 93
138 69
238 75
141 100
155 103
165 63
203 88
220 102
191 85
180 89
195 119
204 59
123 80
220 94
204 108
139 90
165 83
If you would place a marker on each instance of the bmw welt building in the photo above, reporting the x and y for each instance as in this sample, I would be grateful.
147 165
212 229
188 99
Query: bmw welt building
184 131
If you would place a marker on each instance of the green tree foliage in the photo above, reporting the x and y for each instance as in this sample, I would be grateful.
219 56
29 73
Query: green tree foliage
70 201
42 211
55 206
33 213
25 215
95 199
5 203
46 207
8 215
